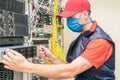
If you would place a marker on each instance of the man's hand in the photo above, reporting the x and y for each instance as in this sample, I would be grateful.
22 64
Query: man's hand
14 61
45 53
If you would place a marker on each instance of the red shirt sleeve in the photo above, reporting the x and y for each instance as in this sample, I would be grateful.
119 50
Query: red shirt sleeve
97 52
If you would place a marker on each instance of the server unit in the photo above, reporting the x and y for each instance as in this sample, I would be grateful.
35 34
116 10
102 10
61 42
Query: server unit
19 6
13 24
13 21
13 29
6 74
27 51
11 41
4 4
13 5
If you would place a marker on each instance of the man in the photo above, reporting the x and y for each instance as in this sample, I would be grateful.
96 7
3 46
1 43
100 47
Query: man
90 57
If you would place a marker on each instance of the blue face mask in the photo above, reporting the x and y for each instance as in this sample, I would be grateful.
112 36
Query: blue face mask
74 25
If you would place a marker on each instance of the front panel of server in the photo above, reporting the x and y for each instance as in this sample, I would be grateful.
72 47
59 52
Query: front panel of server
13 21
6 74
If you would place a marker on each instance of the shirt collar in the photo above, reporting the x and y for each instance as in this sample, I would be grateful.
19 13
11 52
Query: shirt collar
93 27
91 30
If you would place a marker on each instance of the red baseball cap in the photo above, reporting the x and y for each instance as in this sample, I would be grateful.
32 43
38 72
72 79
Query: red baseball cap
74 6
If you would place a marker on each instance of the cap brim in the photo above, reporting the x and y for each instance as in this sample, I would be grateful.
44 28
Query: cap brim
66 14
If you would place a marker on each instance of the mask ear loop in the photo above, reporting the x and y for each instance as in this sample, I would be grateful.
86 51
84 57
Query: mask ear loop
89 15
79 17
86 22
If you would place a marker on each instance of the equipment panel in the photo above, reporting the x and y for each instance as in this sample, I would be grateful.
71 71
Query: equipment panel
27 51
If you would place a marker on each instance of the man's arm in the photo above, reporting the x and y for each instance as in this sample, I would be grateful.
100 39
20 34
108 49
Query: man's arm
61 70
17 62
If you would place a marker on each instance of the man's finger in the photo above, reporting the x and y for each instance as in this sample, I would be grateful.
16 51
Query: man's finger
5 62
14 52
5 66
10 55
42 48
43 55
5 57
